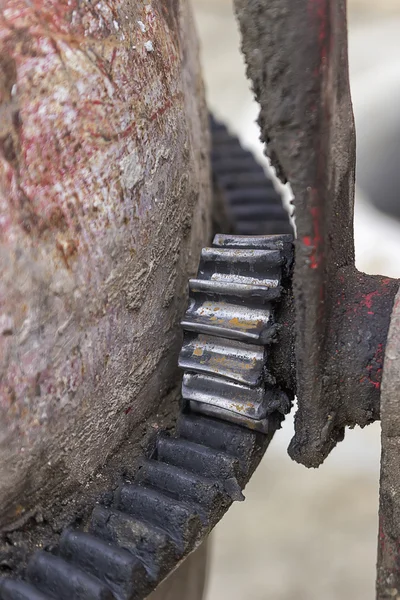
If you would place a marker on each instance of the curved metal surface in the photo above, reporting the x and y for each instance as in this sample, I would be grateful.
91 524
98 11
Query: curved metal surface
104 203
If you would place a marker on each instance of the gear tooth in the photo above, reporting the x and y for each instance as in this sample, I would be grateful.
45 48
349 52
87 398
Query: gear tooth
116 567
246 288
63 581
231 299
262 242
254 197
251 273
233 321
217 356
247 259
239 181
12 589
236 165
235 441
177 519
197 458
250 402
150 544
258 212
230 149
205 494
212 410
262 227
221 136
216 125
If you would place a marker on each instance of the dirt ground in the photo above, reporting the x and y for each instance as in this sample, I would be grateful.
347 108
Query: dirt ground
304 535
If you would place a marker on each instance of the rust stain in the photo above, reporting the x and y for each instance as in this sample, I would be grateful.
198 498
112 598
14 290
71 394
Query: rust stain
241 324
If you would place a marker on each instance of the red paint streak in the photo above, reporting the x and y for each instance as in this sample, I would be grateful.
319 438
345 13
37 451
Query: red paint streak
128 410
319 11
161 110
315 240
114 54
374 369
367 299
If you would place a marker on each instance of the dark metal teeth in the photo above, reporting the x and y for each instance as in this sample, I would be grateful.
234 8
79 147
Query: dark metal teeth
236 272
244 288
197 458
281 242
235 322
265 242
263 227
230 317
176 519
247 182
251 201
220 357
222 393
206 494
248 259
114 566
63 581
150 544
177 497
230 439
254 197
236 164
230 148
255 212
224 363
212 410
11 589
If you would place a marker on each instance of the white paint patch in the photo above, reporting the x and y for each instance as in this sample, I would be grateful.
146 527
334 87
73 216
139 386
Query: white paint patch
115 23
142 26
61 94
149 46
131 170
6 323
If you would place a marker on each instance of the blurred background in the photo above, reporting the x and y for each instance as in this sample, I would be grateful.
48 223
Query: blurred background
311 534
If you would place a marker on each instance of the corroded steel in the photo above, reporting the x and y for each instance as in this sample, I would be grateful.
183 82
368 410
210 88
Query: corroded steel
296 54
104 203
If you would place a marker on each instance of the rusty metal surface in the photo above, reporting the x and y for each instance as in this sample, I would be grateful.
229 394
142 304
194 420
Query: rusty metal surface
104 202
388 576
300 77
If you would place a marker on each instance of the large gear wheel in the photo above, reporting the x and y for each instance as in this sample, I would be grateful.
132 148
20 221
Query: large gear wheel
231 407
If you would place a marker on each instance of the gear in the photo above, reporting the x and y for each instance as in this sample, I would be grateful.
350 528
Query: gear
231 409
229 322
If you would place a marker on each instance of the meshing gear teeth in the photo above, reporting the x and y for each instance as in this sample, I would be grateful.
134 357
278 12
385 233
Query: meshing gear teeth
231 411
251 203
229 323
